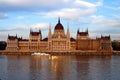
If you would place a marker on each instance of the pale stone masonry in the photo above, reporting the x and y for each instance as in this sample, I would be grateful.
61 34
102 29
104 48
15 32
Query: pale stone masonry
58 41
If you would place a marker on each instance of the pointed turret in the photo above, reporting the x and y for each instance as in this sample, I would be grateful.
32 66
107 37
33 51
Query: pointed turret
59 26
68 32
68 37
78 31
49 34
31 30
16 36
59 20
40 34
101 36
87 30
109 36
40 31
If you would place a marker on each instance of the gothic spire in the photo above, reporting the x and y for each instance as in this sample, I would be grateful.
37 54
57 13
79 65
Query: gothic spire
30 30
59 20
49 33
16 36
77 31
101 35
68 32
40 31
109 36
87 30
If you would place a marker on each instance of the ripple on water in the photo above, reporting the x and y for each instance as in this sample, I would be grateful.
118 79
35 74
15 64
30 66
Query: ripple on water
59 68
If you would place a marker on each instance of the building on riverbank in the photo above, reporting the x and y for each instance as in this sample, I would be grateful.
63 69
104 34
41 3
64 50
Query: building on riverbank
58 41
3 45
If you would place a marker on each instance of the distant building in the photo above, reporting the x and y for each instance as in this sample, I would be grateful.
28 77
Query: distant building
59 41
3 45
116 45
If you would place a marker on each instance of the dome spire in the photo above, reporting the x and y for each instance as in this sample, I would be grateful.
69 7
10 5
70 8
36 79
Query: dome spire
58 19
59 26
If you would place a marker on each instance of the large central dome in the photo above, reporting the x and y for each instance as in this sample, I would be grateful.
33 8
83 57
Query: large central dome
59 26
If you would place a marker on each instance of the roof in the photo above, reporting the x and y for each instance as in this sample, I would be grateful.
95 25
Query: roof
23 39
105 37
45 39
72 39
83 33
35 33
59 26
12 37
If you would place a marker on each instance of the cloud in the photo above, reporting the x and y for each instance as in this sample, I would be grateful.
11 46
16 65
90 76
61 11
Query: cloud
44 5
3 36
15 5
106 31
22 27
3 16
76 10
74 13
82 3
68 9
117 17
42 26
21 17
113 8
115 36
103 21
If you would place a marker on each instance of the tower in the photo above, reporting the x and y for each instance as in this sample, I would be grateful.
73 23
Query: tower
68 32
68 38
49 33
40 38
83 35
49 38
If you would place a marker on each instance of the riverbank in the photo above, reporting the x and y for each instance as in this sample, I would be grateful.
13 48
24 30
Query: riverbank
78 53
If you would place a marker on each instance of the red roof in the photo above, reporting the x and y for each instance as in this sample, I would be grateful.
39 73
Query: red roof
12 37
83 33
72 39
34 33
45 39
59 27
105 37
23 39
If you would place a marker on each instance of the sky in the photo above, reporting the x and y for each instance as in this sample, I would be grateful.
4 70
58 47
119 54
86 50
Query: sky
100 17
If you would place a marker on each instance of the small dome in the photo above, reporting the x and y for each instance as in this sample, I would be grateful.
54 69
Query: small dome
59 26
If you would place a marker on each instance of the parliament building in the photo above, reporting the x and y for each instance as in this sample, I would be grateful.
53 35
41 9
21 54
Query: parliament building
58 42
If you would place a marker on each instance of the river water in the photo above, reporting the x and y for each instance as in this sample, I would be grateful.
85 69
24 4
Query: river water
59 68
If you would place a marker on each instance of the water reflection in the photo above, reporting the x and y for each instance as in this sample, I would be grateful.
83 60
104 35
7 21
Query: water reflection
58 68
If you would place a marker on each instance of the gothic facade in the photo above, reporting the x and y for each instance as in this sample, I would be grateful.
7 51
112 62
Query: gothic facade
84 43
58 41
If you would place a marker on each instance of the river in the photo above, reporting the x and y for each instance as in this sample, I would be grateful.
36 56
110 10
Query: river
59 68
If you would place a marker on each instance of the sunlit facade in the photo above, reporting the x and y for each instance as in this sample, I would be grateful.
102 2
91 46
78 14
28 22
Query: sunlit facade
58 41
